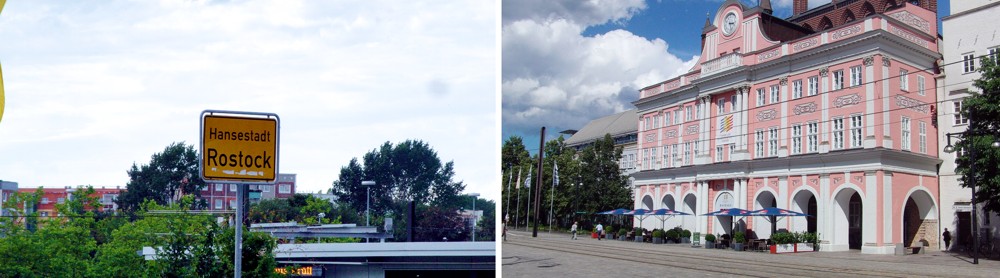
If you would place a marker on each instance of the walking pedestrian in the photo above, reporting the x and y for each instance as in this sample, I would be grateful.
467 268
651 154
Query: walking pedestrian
947 239
573 229
505 231
600 231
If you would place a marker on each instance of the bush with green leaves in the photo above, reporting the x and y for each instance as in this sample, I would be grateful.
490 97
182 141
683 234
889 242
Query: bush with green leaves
784 238
672 234
622 232
739 237
686 233
657 233
709 238
810 238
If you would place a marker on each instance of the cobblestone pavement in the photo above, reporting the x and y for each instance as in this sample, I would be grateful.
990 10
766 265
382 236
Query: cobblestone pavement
524 256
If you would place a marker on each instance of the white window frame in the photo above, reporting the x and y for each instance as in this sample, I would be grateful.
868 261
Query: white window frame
654 158
735 103
796 139
687 154
761 97
920 85
922 129
218 203
688 116
958 119
857 131
856 78
837 133
732 150
284 188
666 118
905 136
775 94
772 142
232 187
674 152
721 105
666 156
232 204
220 187
718 153
968 62
265 188
904 81
797 89
838 79
759 143
992 52
813 85
812 137
647 123
677 116
645 159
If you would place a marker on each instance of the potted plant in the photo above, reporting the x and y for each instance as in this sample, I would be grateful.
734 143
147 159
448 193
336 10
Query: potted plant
657 236
738 239
808 243
638 234
622 233
709 241
593 233
609 233
673 236
783 243
685 236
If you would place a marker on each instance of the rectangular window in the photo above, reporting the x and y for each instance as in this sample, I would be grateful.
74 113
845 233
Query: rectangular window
677 116
666 158
232 187
60 200
993 53
813 85
838 133
732 150
796 139
812 137
905 126
718 153
666 120
648 125
922 129
968 63
856 76
797 89
920 85
674 150
687 153
761 97
688 116
45 214
218 203
857 133
265 188
232 204
721 105
656 121
696 150
759 144
838 80
656 162
735 103
772 144
285 188
220 187
904 83
697 112
775 94
957 112
645 159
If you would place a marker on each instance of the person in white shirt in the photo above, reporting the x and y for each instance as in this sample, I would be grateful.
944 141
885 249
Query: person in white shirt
573 230
600 231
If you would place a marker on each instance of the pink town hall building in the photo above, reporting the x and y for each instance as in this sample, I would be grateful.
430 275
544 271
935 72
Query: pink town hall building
829 112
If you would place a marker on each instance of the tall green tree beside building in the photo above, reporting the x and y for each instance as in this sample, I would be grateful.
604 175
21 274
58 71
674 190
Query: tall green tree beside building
982 109
169 172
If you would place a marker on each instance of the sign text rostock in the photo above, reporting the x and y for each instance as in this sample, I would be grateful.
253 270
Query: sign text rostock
239 148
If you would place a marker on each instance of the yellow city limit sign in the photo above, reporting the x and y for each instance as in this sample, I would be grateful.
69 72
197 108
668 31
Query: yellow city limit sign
239 148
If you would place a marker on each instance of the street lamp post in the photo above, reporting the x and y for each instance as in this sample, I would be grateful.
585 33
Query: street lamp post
972 169
475 217
368 195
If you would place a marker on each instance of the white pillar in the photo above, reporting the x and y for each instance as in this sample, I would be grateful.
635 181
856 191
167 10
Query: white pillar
824 213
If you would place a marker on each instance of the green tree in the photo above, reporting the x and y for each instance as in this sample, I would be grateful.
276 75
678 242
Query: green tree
514 157
982 109
603 187
408 171
173 170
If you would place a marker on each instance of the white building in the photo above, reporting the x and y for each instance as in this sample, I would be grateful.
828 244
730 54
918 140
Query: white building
966 38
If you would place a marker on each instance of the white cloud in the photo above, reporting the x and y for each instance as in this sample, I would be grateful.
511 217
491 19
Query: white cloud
585 13
554 76
92 87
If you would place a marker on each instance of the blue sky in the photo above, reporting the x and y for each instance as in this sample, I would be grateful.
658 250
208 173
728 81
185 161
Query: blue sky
568 62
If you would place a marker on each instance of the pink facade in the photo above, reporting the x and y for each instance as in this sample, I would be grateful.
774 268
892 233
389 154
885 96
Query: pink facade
835 123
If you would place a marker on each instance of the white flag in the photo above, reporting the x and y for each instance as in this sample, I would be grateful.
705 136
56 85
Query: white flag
555 173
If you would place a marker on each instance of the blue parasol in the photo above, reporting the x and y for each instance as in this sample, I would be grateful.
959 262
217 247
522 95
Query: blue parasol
776 212
729 212
615 212
663 214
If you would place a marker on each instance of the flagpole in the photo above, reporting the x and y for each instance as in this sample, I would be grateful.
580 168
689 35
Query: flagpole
517 215
527 184
507 211
552 196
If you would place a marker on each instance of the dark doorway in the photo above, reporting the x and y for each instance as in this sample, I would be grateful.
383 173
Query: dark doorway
963 230
854 222
911 222
811 220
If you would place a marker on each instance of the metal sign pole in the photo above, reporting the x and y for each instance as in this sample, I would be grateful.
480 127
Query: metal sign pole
238 258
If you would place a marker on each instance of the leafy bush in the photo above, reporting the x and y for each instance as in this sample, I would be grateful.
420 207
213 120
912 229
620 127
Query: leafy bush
739 237
783 238
686 233
610 231
673 234
810 238
657 233
622 232
709 238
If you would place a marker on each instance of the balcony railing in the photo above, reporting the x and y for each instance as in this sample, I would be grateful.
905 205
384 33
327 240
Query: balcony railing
720 64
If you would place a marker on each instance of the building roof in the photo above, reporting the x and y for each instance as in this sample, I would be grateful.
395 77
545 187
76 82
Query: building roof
617 124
